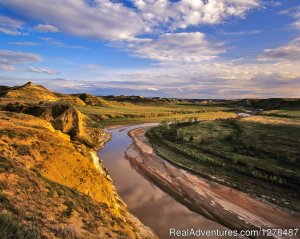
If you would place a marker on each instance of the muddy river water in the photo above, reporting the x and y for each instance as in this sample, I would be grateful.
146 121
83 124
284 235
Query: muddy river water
146 201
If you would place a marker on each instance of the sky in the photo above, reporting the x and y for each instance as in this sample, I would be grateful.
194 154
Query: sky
168 48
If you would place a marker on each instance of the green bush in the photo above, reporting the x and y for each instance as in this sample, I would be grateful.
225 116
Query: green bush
66 233
10 228
70 208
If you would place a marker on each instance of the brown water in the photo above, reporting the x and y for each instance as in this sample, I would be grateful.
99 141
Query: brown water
146 201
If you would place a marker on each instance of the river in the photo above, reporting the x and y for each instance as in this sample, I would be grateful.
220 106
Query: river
146 201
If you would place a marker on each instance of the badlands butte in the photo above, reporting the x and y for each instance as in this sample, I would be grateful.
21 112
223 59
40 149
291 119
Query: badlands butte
52 184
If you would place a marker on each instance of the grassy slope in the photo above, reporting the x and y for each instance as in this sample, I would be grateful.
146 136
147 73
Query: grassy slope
259 155
50 184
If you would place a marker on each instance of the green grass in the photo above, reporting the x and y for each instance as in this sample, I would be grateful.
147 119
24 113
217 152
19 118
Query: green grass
283 113
129 114
11 228
27 223
258 158
287 112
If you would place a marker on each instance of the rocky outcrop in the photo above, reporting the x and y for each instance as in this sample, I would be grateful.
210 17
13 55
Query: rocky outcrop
70 121
62 115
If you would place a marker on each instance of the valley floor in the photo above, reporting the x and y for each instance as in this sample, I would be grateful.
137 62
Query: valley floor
258 155
230 207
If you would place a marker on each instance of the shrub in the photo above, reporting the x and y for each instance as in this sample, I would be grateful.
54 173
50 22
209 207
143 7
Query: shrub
70 208
22 149
11 134
65 232
3 198
3 184
10 228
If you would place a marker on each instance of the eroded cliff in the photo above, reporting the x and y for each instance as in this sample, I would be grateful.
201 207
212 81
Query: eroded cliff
52 186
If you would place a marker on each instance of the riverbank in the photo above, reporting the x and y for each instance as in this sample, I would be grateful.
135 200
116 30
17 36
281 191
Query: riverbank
257 155
229 207
55 187
144 232
152 206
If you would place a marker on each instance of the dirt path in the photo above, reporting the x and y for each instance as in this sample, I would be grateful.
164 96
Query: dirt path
227 206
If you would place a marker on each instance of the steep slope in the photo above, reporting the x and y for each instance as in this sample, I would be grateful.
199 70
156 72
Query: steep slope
52 185
49 184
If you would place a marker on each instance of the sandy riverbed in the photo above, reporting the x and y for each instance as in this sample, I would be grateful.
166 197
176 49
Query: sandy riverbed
227 206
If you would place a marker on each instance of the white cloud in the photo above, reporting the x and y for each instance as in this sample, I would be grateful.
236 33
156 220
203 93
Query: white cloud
24 43
93 67
289 52
241 33
273 3
185 13
8 31
10 26
42 70
105 19
45 28
8 59
294 13
57 43
296 24
7 21
152 88
226 79
176 47
190 65
6 67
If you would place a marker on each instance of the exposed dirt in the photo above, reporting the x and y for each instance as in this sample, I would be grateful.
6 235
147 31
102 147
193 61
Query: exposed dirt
54 183
229 207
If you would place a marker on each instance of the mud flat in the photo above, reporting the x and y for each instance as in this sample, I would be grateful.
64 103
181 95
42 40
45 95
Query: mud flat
152 206
227 206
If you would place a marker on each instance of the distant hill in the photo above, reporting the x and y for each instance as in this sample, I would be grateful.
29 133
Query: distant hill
92 100
272 103
32 92
143 100
36 93
29 91
267 104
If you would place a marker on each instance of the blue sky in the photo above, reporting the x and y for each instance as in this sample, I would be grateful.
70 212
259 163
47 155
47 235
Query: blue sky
184 48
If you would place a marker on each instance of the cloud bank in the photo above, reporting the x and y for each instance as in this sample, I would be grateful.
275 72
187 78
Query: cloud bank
8 59
176 47
108 20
